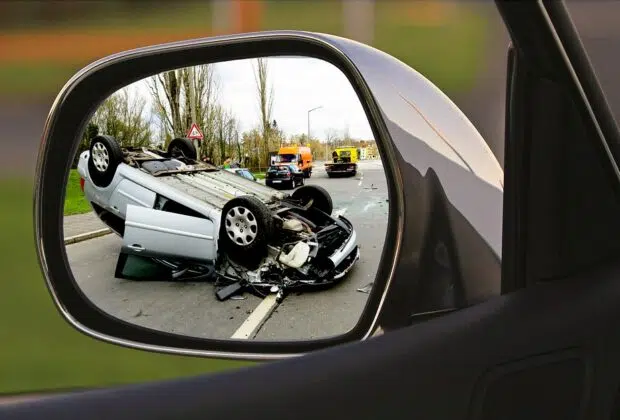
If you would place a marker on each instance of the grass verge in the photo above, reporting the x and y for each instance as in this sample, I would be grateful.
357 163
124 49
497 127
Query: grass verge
75 202
39 350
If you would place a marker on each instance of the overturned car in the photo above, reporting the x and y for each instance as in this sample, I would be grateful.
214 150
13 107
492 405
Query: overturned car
203 223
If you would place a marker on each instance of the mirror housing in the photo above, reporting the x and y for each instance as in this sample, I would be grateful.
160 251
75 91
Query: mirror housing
421 136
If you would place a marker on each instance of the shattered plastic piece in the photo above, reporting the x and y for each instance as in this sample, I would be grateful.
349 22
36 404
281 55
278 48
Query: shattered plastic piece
366 289
274 289
237 297
253 277
297 257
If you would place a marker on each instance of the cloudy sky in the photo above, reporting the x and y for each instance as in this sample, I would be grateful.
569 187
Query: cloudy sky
299 84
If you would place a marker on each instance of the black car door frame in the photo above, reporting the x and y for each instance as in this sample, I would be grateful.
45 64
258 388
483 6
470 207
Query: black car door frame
547 348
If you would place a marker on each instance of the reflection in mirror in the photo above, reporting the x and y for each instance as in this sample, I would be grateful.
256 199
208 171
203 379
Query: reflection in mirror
237 200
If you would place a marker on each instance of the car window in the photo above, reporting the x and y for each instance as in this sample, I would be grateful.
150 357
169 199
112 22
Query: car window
275 169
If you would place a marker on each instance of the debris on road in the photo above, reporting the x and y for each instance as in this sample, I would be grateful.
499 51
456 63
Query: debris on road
366 289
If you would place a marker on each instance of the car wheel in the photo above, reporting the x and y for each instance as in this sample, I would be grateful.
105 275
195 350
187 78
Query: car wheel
302 182
182 147
246 228
320 198
104 157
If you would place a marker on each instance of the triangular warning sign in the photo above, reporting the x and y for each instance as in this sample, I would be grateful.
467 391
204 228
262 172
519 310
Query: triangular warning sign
195 133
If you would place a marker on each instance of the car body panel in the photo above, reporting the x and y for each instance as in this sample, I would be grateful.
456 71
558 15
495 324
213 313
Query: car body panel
205 192
445 164
159 233
127 193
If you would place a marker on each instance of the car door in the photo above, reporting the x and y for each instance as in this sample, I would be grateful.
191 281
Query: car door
547 348
164 234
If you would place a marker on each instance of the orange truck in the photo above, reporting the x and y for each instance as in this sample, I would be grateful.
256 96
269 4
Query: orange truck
300 155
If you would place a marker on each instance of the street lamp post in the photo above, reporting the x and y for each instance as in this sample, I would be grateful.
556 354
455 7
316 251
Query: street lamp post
309 111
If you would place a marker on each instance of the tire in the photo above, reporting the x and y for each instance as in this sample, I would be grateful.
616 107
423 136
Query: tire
182 147
105 155
251 212
302 182
319 195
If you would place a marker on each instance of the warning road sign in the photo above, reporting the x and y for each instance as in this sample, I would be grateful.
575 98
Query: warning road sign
195 133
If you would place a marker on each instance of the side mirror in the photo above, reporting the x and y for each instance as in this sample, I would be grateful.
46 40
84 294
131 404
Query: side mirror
190 259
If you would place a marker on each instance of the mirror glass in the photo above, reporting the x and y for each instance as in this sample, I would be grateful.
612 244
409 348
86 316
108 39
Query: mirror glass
236 200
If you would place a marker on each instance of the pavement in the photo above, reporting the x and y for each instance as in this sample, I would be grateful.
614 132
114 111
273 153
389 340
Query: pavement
80 224
192 308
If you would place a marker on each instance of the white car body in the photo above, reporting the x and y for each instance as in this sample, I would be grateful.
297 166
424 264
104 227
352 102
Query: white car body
131 206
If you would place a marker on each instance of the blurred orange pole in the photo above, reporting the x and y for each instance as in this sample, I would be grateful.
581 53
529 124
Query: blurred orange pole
247 15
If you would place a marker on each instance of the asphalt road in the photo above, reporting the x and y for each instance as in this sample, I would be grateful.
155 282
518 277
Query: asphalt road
192 308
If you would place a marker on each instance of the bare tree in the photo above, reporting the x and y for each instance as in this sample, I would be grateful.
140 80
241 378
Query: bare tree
251 146
122 116
331 136
265 103
182 97
226 135
346 136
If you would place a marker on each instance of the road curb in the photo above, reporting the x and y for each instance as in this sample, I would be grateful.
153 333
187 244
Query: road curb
88 235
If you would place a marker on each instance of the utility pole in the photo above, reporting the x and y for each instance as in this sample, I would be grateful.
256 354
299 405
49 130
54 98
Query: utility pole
309 111
192 104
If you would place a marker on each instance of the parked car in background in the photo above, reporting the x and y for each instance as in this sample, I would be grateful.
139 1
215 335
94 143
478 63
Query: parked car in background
244 172
284 176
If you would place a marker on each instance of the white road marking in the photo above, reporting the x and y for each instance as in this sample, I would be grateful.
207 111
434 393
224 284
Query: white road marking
256 319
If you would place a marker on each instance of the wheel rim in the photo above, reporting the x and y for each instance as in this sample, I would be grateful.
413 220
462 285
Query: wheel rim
241 225
101 157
